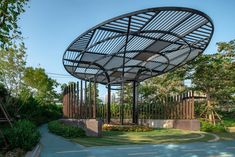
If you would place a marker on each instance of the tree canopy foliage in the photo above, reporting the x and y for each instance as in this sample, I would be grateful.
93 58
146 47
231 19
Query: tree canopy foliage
42 86
12 66
168 84
214 75
10 11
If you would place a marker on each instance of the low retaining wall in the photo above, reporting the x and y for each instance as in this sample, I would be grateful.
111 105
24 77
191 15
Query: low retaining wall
188 124
117 121
193 125
157 123
92 127
231 129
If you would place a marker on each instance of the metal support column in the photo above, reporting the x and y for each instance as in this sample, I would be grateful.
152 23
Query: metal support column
123 73
108 104
135 103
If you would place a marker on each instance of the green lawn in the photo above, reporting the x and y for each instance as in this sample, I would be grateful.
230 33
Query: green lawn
151 137
227 135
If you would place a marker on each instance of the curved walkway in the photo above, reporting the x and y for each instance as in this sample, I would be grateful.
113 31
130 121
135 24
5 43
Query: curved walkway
55 146
51 143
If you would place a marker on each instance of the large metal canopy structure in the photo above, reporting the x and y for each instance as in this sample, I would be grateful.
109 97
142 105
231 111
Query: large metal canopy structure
145 43
138 45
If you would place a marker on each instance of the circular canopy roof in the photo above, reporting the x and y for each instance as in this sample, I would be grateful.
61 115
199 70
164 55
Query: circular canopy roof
139 45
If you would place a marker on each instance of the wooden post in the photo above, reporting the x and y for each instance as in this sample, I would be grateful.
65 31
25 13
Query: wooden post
78 106
81 100
190 105
85 100
178 106
187 105
90 106
73 100
182 106
184 110
69 101
64 102
193 112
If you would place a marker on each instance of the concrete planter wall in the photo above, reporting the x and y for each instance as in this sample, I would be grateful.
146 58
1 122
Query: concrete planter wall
188 124
93 127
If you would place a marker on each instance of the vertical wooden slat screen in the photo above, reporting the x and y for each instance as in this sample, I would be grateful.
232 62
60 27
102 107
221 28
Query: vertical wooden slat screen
170 107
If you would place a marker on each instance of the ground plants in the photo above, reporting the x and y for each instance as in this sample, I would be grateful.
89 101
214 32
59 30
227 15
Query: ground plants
208 127
32 110
24 134
64 130
127 128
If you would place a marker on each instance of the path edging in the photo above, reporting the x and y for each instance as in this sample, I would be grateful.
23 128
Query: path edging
35 152
216 137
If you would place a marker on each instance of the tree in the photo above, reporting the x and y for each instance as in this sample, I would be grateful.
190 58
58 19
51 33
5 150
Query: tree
12 65
10 11
213 74
42 87
3 92
164 85
227 48
98 101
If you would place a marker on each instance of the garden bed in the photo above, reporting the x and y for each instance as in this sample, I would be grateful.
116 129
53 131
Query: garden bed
22 137
65 130
126 128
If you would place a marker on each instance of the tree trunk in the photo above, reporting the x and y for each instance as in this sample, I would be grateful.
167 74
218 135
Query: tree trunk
210 110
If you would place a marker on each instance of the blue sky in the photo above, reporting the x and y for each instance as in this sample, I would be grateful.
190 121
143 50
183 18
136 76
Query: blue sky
49 26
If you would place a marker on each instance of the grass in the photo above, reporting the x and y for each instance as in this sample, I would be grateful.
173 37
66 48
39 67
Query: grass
228 121
226 135
152 137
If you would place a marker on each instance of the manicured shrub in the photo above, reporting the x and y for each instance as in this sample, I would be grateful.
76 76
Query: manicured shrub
24 134
38 113
126 128
64 130
208 127
229 122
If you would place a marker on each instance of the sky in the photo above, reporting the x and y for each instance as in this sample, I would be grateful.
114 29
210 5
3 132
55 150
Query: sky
49 26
